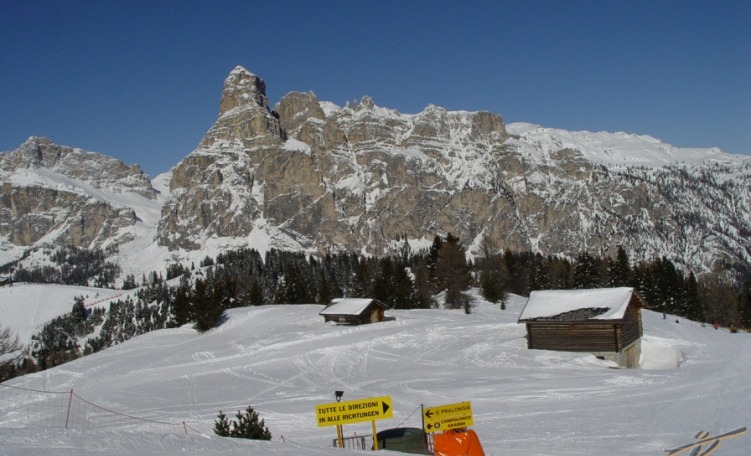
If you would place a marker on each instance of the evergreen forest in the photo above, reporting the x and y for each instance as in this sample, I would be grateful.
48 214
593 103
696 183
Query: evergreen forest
199 294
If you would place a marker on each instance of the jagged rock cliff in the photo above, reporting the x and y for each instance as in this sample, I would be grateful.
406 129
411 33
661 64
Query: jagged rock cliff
310 175
356 178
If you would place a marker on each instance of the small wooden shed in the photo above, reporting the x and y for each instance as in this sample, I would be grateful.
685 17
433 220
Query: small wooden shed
603 321
354 311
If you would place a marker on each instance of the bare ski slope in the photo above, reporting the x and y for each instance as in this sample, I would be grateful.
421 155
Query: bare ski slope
26 307
283 360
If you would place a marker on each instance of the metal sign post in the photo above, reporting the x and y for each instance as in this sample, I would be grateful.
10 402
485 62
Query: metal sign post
449 416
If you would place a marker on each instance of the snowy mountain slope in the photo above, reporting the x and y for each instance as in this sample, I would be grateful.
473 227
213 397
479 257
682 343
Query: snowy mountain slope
283 360
58 195
614 148
40 160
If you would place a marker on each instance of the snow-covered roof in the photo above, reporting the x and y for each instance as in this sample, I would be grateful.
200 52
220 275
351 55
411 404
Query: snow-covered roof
551 303
347 306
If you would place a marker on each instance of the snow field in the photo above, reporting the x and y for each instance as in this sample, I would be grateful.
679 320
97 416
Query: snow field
283 360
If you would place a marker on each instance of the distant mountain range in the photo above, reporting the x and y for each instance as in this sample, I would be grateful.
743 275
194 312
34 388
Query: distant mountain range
311 176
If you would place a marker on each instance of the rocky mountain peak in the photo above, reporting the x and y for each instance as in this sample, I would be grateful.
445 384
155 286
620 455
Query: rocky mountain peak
244 114
242 88
365 103
39 152
296 108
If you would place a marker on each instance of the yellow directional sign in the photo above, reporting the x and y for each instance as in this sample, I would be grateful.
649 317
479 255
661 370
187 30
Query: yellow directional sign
336 413
449 416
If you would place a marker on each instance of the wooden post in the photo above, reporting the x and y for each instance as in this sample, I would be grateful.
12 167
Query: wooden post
422 417
340 435
70 400
375 437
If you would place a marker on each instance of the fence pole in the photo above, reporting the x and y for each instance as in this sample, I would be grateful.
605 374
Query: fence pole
70 401
185 426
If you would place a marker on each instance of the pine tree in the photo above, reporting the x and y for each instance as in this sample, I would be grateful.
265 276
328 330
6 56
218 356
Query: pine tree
491 279
248 426
423 284
746 302
670 284
10 353
693 308
180 309
723 305
206 304
586 272
560 273
452 272
222 425
324 290
405 294
130 282
256 292
382 287
539 276
432 259
619 269
78 313
517 279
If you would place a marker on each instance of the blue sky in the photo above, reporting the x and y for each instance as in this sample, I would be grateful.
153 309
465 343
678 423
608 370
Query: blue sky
141 80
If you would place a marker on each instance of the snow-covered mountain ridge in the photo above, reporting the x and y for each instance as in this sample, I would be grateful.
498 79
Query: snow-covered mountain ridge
58 195
312 176
616 148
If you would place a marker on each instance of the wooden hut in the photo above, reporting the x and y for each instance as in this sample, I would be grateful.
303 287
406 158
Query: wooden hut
354 311
604 321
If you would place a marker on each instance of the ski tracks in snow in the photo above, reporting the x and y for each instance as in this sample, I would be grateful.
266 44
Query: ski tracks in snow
192 398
